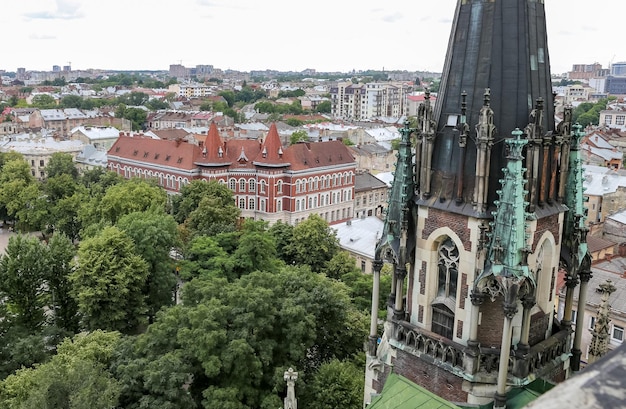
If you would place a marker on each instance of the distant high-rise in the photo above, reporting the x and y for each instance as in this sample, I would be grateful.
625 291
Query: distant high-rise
486 206
56 68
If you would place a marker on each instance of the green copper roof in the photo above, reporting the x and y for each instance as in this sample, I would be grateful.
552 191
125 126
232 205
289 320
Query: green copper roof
399 217
574 229
508 239
400 393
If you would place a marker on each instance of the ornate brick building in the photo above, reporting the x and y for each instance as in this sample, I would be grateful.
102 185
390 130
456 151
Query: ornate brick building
270 182
484 207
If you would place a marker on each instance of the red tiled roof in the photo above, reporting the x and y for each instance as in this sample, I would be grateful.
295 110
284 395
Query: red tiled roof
272 153
173 153
170 133
307 155
213 150
238 153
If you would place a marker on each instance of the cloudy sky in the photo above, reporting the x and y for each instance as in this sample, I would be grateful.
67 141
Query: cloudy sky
327 35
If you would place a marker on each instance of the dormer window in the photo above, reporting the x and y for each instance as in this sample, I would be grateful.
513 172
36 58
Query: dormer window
220 152
135 152
264 152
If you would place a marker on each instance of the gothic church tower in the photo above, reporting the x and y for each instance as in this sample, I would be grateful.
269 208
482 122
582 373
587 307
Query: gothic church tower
486 206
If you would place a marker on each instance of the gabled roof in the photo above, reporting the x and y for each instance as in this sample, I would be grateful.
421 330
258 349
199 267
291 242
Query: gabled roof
213 151
272 153
367 181
307 155
176 154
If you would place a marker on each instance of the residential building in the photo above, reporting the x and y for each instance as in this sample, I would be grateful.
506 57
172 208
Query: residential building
358 237
598 151
605 192
99 137
370 195
614 117
611 269
615 228
368 101
373 157
269 182
587 71
615 85
38 149
415 101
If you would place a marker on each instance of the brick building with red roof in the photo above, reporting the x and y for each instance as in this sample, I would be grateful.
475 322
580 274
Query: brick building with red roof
269 182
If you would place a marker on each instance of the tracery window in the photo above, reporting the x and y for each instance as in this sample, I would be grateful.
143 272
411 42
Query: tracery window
448 269
447 276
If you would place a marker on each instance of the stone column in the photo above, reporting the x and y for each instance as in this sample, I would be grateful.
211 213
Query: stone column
571 283
522 369
373 339
290 400
528 303
398 309
510 309
472 364
585 276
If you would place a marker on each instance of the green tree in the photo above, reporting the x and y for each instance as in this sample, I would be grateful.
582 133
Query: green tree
324 107
229 342
229 96
22 272
256 250
295 122
15 177
44 101
314 233
108 282
212 216
61 163
192 193
283 236
298 136
337 384
206 258
60 253
128 196
154 234
71 101
76 378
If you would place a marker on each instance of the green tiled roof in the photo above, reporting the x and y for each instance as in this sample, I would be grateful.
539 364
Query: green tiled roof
400 393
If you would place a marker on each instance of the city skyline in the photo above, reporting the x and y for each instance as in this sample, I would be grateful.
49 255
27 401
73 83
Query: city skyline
245 35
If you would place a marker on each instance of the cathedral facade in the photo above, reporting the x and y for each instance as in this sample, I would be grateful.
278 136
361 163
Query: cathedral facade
485 208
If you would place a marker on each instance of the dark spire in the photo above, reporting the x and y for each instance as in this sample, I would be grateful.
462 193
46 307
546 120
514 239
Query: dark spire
498 56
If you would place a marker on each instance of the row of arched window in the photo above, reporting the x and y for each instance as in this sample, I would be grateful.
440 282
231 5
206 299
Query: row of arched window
242 185
166 180
323 182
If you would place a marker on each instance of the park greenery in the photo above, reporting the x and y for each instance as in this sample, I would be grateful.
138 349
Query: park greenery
117 295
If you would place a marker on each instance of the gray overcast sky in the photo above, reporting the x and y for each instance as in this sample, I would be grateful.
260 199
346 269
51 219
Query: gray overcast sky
327 35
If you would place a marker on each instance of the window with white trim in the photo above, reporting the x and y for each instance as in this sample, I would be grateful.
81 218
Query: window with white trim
617 333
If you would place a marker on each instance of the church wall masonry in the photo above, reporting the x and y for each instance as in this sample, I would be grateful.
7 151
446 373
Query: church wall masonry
435 379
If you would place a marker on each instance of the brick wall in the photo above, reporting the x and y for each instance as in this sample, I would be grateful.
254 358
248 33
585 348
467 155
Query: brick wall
538 326
435 379
456 222
551 224
490 328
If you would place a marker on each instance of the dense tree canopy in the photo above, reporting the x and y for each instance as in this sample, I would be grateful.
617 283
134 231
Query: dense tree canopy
109 282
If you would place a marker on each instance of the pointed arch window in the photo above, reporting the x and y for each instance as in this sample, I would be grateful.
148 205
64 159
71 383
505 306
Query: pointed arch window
448 269
447 275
